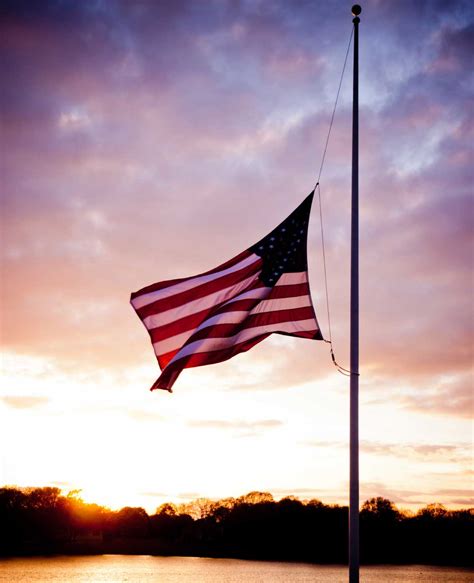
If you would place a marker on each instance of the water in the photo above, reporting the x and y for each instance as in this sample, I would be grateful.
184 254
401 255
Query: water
147 569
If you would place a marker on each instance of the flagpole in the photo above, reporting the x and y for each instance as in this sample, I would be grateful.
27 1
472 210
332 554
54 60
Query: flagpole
354 332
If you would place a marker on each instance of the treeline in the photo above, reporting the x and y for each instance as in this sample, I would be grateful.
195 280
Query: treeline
254 526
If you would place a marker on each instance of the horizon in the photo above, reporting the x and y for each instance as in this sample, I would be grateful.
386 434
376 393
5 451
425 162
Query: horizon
183 505
146 142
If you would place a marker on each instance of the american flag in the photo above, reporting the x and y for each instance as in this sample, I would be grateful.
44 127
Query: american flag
213 316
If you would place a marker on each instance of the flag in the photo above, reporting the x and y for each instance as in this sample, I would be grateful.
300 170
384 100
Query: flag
211 317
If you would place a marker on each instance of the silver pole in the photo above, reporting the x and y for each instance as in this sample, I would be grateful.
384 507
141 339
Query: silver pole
354 333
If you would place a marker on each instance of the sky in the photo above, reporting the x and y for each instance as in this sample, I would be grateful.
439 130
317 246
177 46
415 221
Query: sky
144 141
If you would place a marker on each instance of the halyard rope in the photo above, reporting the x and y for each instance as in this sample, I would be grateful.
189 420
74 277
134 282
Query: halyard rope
341 369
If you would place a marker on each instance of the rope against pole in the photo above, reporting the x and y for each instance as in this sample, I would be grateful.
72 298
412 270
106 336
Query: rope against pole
340 368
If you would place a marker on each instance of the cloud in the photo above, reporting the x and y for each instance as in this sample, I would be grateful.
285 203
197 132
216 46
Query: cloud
396 495
278 363
189 495
465 502
221 424
240 428
153 494
448 397
423 452
454 492
24 402
61 484
456 47
141 415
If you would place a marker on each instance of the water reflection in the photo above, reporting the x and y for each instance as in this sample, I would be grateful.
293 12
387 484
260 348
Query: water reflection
147 569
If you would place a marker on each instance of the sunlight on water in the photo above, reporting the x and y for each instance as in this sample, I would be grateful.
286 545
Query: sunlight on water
146 569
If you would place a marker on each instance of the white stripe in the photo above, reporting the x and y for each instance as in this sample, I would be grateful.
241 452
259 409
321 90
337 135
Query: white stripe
282 304
149 298
293 278
214 299
212 344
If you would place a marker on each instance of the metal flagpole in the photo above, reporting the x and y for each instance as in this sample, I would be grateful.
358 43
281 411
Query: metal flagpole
354 348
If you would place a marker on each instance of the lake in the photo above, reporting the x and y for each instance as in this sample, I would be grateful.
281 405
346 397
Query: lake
148 569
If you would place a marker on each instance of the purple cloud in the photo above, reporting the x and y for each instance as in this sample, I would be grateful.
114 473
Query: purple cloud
139 135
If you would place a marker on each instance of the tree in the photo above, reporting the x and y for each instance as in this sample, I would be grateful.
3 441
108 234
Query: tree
433 511
381 508
167 509
256 497
132 522
380 532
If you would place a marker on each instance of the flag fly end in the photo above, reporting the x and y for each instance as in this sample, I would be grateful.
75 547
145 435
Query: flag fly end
155 386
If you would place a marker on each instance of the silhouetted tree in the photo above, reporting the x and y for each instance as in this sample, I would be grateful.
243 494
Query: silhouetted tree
169 526
380 533
41 520
131 522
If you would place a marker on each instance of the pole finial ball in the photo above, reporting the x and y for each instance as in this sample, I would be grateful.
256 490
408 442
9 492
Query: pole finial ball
356 10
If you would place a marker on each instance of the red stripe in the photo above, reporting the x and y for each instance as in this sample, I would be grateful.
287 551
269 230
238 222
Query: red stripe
289 291
164 284
199 291
163 359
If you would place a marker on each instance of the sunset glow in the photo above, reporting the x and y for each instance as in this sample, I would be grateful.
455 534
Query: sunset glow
145 141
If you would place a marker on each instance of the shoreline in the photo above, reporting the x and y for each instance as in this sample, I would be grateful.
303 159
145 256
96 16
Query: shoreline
82 550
